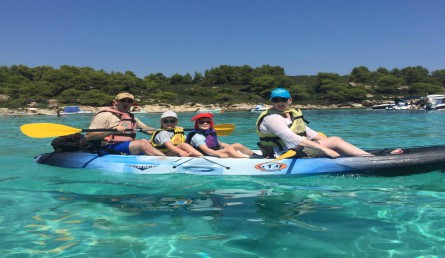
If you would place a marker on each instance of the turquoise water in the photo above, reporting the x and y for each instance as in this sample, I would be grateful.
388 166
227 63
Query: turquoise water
55 212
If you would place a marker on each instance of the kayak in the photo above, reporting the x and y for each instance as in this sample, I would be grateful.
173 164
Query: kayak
412 161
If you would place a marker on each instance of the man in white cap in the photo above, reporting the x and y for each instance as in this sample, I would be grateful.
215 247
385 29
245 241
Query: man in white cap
123 140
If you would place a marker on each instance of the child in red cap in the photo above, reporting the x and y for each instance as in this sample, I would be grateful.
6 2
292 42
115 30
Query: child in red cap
205 139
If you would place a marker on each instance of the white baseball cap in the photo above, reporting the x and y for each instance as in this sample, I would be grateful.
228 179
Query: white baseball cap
169 114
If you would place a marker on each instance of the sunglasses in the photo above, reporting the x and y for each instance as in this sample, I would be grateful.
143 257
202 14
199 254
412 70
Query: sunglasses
169 121
276 100
126 100
204 122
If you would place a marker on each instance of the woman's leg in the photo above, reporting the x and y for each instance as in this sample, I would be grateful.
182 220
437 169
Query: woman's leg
241 148
342 147
232 152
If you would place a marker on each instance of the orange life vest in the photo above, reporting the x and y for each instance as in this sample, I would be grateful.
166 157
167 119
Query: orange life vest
127 121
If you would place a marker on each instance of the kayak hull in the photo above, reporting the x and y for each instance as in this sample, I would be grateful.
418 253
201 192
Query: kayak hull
414 160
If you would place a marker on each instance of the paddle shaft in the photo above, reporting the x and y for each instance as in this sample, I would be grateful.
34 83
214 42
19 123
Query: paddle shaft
45 130
127 130
114 130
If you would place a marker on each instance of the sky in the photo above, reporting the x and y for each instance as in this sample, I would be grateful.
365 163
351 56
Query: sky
179 36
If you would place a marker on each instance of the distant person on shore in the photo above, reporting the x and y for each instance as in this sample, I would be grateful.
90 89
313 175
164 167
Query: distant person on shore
205 139
170 139
282 128
120 118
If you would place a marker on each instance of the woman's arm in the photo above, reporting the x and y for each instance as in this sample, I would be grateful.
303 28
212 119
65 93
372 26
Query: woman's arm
278 125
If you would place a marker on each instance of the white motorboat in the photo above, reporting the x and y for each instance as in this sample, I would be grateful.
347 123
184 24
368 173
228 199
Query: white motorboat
400 104
259 108
383 106
436 101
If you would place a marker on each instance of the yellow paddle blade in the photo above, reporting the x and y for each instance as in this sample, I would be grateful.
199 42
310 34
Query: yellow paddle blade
224 129
45 130
322 135
287 154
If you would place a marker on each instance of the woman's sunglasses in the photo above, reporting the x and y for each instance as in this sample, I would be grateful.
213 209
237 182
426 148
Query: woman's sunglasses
276 100
204 122
126 100
169 121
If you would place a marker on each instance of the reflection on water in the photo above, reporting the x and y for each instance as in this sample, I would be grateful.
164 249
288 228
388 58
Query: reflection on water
286 219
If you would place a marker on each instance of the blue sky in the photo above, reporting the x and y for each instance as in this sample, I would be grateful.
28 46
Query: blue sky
179 36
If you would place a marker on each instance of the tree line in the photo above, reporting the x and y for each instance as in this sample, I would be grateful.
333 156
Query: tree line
224 85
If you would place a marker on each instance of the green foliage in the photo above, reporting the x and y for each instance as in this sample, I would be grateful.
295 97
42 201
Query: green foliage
200 91
165 96
422 88
187 79
360 75
176 79
223 97
198 77
388 84
96 98
440 76
334 90
300 93
262 85
224 85
158 78
73 95
238 75
414 74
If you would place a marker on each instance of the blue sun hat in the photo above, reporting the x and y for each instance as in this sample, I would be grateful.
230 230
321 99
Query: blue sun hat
279 93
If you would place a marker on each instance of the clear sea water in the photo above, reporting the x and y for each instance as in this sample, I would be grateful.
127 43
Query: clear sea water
56 212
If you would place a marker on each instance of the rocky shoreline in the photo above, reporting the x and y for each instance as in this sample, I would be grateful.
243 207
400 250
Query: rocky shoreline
159 108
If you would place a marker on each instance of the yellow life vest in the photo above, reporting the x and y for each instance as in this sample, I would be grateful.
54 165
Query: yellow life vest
177 138
298 126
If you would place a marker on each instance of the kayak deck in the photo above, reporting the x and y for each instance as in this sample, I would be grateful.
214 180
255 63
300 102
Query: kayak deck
414 160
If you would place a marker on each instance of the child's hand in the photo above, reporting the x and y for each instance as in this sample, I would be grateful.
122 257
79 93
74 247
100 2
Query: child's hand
223 155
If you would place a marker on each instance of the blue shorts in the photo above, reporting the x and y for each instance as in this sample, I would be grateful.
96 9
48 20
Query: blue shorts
122 147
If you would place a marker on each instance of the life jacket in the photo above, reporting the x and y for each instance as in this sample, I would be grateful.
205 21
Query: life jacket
210 135
127 121
298 126
177 138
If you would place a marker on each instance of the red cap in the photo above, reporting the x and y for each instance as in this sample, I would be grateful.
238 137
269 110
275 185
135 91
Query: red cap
202 115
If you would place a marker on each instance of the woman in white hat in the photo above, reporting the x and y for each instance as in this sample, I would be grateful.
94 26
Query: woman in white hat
170 139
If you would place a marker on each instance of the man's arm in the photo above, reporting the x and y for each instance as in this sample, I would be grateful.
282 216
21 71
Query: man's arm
104 120
146 129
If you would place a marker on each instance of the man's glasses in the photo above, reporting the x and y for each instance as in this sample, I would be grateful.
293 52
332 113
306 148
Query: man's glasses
276 100
126 100
169 121
204 122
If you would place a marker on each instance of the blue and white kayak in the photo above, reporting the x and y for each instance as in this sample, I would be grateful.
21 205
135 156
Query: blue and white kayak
414 160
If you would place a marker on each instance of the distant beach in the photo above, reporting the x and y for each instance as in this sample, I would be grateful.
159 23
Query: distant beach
159 108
